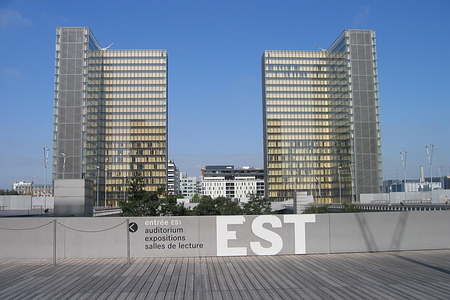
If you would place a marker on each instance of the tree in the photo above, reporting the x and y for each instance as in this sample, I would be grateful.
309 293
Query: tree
196 198
205 207
257 206
8 192
170 207
218 206
140 202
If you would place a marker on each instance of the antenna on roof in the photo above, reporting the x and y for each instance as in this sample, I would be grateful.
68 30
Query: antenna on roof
106 48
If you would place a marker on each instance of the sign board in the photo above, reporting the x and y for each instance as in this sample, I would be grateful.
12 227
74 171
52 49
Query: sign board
220 235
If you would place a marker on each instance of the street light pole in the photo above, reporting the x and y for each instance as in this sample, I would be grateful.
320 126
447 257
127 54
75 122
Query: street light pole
64 164
106 174
124 185
340 189
403 158
429 149
98 175
45 175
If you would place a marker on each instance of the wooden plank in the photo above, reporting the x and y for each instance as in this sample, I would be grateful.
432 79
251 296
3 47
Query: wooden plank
190 276
143 289
181 285
394 275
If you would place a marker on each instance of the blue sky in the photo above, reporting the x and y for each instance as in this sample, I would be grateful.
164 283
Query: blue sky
215 49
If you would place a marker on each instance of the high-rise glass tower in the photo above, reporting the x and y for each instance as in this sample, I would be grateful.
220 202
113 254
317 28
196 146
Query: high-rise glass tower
321 125
110 114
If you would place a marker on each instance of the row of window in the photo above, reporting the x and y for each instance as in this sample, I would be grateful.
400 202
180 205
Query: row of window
135 123
306 150
134 82
134 159
300 109
305 186
297 66
120 60
135 109
128 152
305 95
289 74
276 122
142 166
302 54
308 88
135 145
133 117
298 116
301 130
127 75
135 88
135 131
341 83
129 53
155 95
334 104
117 102
291 168
304 136
127 138
302 144
307 69
128 68
303 157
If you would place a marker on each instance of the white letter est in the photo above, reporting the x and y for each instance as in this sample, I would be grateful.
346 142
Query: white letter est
265 234
223 235
299 230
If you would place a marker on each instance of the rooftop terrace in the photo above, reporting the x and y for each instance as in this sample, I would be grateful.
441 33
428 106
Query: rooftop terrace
393 275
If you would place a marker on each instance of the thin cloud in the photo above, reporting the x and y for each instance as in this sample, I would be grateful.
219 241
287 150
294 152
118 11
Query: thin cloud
12 18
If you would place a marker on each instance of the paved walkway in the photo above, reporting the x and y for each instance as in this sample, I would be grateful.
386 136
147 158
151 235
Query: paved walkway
389 275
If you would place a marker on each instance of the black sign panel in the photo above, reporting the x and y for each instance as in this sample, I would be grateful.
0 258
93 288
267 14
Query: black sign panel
132 227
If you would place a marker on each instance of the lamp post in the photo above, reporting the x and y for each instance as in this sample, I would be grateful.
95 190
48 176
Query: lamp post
106 175
45 175
64 164
403 158
124 185
340 188
429 149
98 175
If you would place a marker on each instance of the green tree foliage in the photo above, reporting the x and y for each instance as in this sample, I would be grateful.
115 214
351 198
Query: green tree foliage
316 210
170 207
143 203
218 206
196 198
8 192
257 206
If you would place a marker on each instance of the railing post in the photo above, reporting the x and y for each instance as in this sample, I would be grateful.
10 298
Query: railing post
54 242
128 241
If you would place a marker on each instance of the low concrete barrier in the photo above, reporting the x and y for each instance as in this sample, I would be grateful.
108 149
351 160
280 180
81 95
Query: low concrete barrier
222 235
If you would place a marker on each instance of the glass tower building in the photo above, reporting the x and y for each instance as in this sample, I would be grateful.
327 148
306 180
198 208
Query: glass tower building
110 114
321 125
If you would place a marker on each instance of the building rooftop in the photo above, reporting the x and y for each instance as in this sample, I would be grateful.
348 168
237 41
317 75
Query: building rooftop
387 275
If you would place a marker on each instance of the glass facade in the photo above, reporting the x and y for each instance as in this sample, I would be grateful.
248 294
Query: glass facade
123 108
311 127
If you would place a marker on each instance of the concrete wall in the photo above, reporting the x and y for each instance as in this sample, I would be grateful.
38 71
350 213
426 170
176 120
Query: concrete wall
436 197
25 203
15 202
73 197
224 235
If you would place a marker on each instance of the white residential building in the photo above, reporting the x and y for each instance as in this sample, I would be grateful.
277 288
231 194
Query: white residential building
188 185
237 188
173 178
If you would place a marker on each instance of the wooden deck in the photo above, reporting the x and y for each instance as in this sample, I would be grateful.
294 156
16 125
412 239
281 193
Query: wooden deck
389 275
